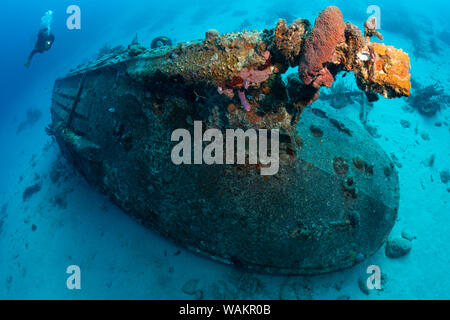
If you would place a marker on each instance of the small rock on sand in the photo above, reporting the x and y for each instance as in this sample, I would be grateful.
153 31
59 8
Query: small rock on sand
398 247
430 161
406 234
362 284
405 123
190 287
30 191
445 176
425 136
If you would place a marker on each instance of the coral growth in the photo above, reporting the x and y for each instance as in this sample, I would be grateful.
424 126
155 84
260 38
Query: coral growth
299 93
351 53
370 29
388 71
254 75
428 100
328 32
247 65
211 34
286 42
107 50
244 101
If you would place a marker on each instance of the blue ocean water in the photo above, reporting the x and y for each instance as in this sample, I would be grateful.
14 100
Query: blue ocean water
119 258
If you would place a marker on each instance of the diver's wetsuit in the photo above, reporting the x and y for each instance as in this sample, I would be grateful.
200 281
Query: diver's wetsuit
44 43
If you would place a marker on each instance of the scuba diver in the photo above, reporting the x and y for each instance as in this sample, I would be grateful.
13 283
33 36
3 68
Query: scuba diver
45 37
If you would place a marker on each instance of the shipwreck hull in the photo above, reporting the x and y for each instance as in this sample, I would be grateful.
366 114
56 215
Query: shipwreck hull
330 204
335 197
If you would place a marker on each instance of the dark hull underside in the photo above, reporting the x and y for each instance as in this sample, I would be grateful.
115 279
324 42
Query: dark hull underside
333 201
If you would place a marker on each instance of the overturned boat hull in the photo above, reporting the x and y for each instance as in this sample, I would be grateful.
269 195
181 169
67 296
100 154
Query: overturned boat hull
332 203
